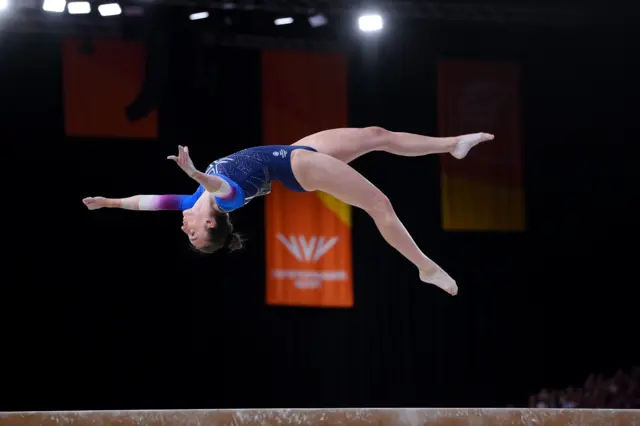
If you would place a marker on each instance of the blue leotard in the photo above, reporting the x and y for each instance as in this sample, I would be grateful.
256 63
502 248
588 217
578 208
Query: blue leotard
249 172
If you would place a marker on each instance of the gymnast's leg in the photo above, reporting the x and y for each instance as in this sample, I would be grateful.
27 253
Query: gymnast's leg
348 144
321 172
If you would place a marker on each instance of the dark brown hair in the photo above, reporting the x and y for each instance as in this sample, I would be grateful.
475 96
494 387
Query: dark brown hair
222 235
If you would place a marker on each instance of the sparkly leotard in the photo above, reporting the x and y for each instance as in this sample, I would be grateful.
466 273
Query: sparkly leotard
249 173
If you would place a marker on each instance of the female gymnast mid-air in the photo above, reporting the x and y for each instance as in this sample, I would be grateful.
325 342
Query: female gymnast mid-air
318 162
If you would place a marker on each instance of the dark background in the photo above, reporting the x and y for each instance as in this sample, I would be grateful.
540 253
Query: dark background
111 310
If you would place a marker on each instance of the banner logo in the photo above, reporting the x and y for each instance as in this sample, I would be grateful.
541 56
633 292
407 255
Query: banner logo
308 251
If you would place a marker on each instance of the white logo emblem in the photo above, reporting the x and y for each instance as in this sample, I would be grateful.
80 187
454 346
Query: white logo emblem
282 153
308 251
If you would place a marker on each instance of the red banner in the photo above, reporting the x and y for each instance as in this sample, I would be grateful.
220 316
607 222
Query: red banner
98 85
309 260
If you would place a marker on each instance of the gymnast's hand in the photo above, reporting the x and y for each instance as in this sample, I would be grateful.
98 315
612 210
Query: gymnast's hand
94 203
184 161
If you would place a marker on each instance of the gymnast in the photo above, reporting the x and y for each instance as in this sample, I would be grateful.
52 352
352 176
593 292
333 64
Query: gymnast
318 162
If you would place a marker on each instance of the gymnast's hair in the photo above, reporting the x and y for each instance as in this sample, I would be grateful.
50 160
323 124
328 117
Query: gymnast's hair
222 235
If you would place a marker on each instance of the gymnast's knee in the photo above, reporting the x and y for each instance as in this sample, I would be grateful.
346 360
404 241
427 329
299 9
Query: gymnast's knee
378 136
381 210
375 132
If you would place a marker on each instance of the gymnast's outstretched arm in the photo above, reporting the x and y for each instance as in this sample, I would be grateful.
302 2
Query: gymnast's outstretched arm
145 202
214 184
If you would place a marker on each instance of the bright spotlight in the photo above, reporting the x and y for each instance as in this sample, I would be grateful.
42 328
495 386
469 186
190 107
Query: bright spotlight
283 21
109 9
4 4
199 15
370 23
56 6
79 7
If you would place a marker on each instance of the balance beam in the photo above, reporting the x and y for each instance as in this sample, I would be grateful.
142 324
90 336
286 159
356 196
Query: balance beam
329 417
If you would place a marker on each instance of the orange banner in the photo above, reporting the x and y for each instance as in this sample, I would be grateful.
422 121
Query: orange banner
309 259
100 79
484 191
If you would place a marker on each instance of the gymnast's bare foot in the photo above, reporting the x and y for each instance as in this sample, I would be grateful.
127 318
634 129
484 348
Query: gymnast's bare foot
441 279
466 142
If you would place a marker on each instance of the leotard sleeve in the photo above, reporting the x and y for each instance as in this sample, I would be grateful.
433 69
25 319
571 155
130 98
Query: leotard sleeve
234 200
227 203
169 201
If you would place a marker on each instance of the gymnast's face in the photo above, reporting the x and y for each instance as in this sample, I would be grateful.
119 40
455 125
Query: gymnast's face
196 223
